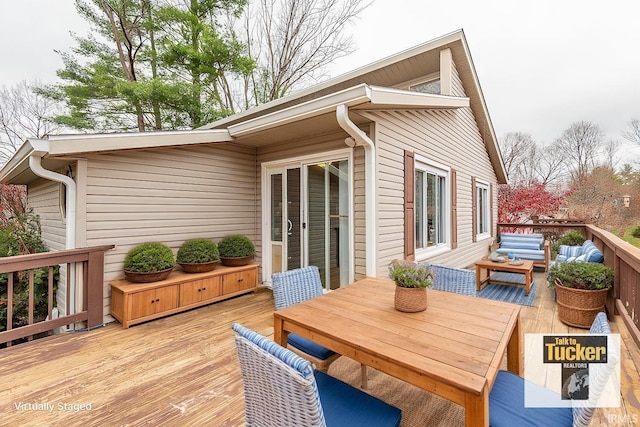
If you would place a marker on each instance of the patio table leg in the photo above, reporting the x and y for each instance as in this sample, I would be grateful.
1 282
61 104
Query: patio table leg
514 355
476 409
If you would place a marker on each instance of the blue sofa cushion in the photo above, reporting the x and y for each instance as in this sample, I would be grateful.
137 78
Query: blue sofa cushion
507 394
309 347
521 241
587 252
591 252
338 400
530 254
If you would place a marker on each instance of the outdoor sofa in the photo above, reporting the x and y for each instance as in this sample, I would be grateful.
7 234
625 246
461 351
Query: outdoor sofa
531 246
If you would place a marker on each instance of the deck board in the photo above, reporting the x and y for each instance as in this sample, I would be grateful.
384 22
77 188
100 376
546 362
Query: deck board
182 370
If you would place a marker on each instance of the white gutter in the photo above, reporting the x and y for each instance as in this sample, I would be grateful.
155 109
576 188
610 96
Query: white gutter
40 148
360 138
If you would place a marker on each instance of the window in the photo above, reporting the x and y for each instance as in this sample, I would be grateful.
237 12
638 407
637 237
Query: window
431 206
483 210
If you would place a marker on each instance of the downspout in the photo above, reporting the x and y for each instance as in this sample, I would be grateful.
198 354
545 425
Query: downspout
358 137
35 164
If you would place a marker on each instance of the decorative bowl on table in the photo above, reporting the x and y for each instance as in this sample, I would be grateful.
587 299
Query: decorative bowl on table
496 257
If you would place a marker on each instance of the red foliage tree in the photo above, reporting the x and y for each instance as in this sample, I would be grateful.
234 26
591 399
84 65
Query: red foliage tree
516 203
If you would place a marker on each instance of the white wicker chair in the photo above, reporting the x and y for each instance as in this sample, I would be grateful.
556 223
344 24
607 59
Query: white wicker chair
281 389
506 401
292 287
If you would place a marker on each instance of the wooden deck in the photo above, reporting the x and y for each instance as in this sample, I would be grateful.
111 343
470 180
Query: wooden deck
182 370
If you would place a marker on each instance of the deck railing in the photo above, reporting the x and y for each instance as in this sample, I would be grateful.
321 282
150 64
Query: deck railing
622 257
91 261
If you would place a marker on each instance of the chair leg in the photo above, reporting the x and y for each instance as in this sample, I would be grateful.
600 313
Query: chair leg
363 376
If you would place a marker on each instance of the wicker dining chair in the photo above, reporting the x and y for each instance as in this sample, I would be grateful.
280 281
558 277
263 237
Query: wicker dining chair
294 286
282 389
507 398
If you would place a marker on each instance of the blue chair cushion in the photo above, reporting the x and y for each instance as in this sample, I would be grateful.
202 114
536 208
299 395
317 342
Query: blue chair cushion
530 254
339 400
507 394
309 347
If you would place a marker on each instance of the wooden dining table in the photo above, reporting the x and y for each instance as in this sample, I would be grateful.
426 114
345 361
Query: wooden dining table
453 349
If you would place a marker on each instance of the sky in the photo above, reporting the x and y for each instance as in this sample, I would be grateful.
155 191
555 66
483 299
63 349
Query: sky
542 65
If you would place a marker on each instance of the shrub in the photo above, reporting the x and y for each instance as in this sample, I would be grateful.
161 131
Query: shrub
410 275
198 251
582 275
636 232
20 235
149 257
235 246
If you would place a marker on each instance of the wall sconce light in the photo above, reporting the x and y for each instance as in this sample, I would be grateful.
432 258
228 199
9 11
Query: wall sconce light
626 200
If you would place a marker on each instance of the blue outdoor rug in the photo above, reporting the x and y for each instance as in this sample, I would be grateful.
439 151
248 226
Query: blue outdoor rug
513 294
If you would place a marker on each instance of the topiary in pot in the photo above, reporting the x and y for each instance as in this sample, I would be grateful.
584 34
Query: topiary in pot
148 262
412 281
198 255
581 290
236 250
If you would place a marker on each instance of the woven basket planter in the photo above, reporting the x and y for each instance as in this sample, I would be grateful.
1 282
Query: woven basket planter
154 276
200 267
410 300
236 261
578 307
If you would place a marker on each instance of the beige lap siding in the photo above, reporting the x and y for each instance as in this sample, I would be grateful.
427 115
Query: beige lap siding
169 195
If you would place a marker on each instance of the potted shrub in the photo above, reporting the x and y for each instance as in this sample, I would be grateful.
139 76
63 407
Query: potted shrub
412 281
198 255
236 250
581 290
148 262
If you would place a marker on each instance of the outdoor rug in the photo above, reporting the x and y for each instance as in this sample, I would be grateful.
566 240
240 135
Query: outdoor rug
512 294
419 407
506 293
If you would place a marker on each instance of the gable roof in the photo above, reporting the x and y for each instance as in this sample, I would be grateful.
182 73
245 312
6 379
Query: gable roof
390 72
375 86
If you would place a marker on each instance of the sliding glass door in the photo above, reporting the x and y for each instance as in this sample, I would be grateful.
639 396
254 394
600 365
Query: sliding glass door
310 219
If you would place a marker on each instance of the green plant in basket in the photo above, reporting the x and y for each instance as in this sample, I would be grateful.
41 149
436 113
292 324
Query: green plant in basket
235 246
149 257
408 274
581 275
196 251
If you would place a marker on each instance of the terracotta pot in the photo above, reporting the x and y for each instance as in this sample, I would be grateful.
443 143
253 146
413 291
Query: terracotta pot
154 276
236 261
410 300
198 267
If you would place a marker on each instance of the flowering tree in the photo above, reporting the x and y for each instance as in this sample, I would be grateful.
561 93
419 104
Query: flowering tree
516 203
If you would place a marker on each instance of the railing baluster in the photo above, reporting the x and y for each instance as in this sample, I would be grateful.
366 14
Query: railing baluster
50 293
9 303
31 299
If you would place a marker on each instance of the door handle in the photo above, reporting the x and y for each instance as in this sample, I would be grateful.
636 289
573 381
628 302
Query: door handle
290 225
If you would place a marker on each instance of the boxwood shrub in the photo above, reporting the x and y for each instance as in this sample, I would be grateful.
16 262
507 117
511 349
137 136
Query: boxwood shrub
582 275
196 251
149 257
236 245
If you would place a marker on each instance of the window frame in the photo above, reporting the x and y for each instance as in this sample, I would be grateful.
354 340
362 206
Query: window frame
483 206
424 165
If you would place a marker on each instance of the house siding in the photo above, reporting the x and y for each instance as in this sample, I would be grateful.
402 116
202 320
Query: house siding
169 195
448 137
44 198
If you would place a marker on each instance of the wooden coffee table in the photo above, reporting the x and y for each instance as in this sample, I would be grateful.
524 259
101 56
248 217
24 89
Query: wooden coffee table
525 268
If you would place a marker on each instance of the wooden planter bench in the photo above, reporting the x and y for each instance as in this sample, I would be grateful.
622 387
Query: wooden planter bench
133 303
